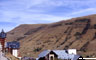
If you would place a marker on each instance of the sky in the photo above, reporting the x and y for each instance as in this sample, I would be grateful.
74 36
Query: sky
16 12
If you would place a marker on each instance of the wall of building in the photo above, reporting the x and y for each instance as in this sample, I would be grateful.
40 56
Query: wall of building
2 41
0 47
15 52
72 51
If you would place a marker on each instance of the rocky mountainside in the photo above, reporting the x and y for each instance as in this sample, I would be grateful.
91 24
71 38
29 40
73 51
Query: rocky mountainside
78 33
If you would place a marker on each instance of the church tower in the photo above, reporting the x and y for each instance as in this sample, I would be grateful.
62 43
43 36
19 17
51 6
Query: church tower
2 39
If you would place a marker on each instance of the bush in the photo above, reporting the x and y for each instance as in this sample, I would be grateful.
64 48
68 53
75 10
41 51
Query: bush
37 49
77 34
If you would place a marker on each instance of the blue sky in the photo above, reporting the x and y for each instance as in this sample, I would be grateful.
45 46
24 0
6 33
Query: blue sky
16 12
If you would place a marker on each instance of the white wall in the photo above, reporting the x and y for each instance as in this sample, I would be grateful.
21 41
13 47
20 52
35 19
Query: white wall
72 51
51 55
5 44
0 46
15 52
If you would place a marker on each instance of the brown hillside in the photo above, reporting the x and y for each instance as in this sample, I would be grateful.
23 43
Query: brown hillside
79 33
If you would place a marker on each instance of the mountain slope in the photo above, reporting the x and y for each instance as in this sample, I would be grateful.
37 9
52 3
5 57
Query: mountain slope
79 33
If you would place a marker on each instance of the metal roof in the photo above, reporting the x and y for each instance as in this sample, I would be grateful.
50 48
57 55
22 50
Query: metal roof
44 53
13 44
62 54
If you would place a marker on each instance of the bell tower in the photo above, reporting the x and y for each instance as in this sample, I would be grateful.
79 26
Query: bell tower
2 39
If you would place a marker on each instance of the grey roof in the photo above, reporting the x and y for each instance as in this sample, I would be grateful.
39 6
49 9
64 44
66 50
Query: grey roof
44 53
76 57
62 54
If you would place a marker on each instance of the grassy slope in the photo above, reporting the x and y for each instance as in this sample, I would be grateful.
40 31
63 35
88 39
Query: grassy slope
74 33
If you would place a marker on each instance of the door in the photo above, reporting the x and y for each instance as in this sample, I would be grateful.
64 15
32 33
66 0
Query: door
51 57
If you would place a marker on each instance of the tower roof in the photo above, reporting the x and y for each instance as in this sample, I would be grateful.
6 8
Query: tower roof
2 34
2 31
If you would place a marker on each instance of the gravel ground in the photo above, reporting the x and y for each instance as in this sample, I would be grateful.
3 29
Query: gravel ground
2 57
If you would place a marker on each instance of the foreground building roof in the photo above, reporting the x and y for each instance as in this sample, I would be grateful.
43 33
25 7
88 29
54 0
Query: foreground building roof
62 54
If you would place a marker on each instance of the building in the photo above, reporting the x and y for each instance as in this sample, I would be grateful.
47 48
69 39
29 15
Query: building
10 47
0 47
13 48
2 39
48 55
59 54
72 51
27 58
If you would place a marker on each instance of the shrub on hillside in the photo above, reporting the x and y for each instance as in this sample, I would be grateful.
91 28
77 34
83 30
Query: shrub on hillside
37 49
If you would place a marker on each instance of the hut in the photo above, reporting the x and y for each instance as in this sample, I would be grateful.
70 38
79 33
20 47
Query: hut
59 54
13 48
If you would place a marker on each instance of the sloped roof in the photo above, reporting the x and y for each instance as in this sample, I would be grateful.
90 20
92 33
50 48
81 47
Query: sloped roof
76 57
62 54
2 34
44 53
13 44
